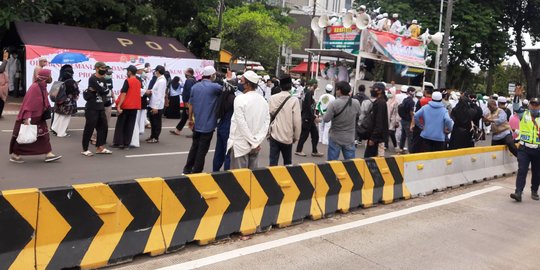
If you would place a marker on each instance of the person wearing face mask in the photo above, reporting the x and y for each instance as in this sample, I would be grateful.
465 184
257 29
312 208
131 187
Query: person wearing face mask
309 122
127 105
94 114
529 151
498 121
157 103
379 114
108 100
202 119
33 111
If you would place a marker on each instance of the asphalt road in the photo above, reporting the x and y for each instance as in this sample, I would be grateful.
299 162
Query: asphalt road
166 158
473 227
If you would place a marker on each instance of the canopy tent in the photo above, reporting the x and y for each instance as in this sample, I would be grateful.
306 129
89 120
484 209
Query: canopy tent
303 67
83 47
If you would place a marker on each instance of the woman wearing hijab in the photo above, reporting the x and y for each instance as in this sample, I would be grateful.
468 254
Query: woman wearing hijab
462 114
65 105
175 99
32 111
393 121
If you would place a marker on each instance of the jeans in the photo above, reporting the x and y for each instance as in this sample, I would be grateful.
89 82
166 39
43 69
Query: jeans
349 150
526 156
98 121
277 147
197 152
307 129
508 141
155 122
220 156
406 134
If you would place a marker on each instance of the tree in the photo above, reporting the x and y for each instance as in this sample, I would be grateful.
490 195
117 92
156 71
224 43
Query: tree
523 17
256 31
21 10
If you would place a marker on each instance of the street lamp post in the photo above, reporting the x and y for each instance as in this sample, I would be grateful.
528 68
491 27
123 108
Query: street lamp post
438 53
446 45
311 42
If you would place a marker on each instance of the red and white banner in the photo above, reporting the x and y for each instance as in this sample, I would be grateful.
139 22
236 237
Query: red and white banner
83 64
403 50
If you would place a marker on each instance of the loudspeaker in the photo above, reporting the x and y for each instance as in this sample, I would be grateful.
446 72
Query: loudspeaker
348 20
362 21
323 21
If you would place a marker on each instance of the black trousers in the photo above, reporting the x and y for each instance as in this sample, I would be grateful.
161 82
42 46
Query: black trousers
371 150
2 103
98 121
197 152
124 128
185 115
276 148
508 141
391 136
431 146
155 122
307 129
525 157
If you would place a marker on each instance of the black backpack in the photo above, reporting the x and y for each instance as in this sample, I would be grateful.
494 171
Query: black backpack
402 110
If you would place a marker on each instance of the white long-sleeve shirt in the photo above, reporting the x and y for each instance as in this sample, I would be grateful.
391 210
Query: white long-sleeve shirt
157 99
249 123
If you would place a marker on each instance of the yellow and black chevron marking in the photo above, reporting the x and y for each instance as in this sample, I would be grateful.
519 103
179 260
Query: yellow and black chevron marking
205 207
283 195
387 175
18 219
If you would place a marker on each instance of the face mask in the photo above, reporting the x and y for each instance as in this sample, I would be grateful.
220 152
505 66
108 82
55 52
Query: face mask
143 74
535 113
109 77
102 72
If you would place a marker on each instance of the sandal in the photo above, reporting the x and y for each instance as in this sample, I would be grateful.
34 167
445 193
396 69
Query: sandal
17 160
152 141
174 132
105 151
87 153
52 158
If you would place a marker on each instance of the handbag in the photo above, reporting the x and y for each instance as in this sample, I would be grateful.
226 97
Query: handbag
27 134
47 112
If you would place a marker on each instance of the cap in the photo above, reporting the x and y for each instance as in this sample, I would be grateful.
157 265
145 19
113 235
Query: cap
100 65
379 86
501 100
495 96
419 94
385 15
485 98
363 7
535 101
252 76
395 15
139 66
404 89
525 102
160 68
208 71
436 96
329 88
132 68
266 77
414 21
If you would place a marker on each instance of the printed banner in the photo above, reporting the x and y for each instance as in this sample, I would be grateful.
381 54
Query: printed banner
339 37
406 51
83 65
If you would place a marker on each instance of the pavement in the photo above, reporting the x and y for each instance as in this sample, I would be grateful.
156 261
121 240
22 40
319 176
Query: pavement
472 227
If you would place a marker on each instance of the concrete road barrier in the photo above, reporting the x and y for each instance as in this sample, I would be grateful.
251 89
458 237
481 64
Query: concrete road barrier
95 225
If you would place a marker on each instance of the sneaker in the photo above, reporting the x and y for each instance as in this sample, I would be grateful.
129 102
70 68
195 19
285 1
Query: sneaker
15 159
52 158
534 196
302 154
516 196
317 154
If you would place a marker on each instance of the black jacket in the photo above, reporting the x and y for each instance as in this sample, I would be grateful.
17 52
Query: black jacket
380 115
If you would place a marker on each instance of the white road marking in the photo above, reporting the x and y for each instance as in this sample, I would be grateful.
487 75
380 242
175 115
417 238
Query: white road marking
321 232
76 129
162 154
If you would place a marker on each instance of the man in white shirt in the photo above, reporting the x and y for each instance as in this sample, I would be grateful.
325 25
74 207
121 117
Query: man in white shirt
249 124
396 25
157 102
322 105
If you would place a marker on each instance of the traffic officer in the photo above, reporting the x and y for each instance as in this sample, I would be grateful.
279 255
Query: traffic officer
529 151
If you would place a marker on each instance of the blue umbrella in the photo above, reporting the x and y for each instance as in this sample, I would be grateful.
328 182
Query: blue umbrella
69 58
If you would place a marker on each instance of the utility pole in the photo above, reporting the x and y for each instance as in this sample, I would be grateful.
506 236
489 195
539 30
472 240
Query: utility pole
446 41
220 26
311 41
